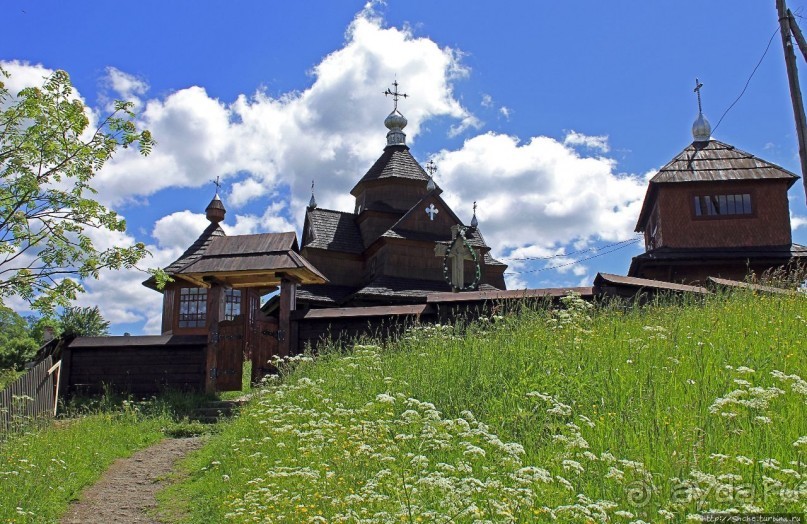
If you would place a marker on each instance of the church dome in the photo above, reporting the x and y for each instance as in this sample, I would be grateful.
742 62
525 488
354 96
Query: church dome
701 129
215 210
395 122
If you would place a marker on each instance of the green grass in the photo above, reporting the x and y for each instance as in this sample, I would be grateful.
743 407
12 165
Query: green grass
43 470
619 415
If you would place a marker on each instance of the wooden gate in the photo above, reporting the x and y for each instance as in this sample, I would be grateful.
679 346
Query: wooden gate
264 339
230 355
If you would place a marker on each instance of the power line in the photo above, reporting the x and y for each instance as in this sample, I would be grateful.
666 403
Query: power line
549 257
747 81
623 246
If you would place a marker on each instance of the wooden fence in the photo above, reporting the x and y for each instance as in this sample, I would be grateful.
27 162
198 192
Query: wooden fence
28 399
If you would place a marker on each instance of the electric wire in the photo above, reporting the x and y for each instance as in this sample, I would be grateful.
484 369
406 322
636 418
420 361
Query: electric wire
767 47
573 262
562 255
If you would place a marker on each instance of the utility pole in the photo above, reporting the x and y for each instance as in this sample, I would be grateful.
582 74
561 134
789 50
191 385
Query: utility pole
785 21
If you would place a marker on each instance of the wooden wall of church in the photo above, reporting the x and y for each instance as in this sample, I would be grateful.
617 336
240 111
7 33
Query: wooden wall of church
769 225
342 269
373 224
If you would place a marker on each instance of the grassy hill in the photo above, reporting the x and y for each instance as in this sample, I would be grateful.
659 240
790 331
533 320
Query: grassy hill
576 415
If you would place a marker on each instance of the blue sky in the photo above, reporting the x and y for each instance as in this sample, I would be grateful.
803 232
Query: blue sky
550 114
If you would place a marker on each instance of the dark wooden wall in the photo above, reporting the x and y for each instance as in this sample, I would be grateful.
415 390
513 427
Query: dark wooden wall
139 370
769 225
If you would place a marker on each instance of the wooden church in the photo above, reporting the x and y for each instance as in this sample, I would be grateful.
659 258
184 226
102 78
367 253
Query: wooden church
715 211
395 246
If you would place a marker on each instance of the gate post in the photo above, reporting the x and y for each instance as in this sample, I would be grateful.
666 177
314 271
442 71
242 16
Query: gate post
215 314
288 303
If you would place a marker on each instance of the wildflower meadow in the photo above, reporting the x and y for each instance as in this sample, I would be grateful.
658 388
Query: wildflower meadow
577 414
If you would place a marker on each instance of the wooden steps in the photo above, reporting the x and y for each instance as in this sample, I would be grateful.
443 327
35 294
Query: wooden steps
212 412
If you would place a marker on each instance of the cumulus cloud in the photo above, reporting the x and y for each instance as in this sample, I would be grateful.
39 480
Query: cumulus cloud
600 143
24 74
542 188
318 133
124 86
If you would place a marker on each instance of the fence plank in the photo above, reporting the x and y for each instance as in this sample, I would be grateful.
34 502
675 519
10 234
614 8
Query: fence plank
29 398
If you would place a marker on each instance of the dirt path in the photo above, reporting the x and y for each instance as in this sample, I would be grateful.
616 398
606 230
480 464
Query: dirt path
126 491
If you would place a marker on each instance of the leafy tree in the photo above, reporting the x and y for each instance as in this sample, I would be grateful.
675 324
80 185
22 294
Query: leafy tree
16 345
48 157
83 322
38 325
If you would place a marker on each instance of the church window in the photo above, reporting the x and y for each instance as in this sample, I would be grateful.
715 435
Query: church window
232 306
722 205
192 307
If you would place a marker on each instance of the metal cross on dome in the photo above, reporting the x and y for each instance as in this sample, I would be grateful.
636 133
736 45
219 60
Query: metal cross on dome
395 94
697 89
431 211
217 184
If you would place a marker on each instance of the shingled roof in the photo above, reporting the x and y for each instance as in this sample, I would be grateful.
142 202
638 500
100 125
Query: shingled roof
192 254
387 287
253 255
714 160
332 230
395 162
711 161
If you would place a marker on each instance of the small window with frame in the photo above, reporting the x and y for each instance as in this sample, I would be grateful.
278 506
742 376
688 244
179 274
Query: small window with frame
192 307
718 206
232 305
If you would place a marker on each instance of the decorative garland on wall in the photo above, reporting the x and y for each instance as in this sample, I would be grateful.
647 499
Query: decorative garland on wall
447 261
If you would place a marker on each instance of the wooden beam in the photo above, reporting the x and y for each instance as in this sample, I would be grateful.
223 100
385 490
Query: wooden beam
795 90
288 303
215 314
369 311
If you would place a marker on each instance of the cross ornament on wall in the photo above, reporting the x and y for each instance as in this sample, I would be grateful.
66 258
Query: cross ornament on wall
431 211
458 253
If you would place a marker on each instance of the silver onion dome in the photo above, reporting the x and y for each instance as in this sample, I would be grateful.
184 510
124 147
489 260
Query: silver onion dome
701 129
395 122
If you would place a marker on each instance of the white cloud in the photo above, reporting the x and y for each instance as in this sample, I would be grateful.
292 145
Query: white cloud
600 142
506 112
271 221
125 86
179 230
23 74
245 191
319 133
487 100
542 189
797 221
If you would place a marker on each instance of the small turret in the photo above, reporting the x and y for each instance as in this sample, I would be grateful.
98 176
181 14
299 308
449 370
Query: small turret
215 210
